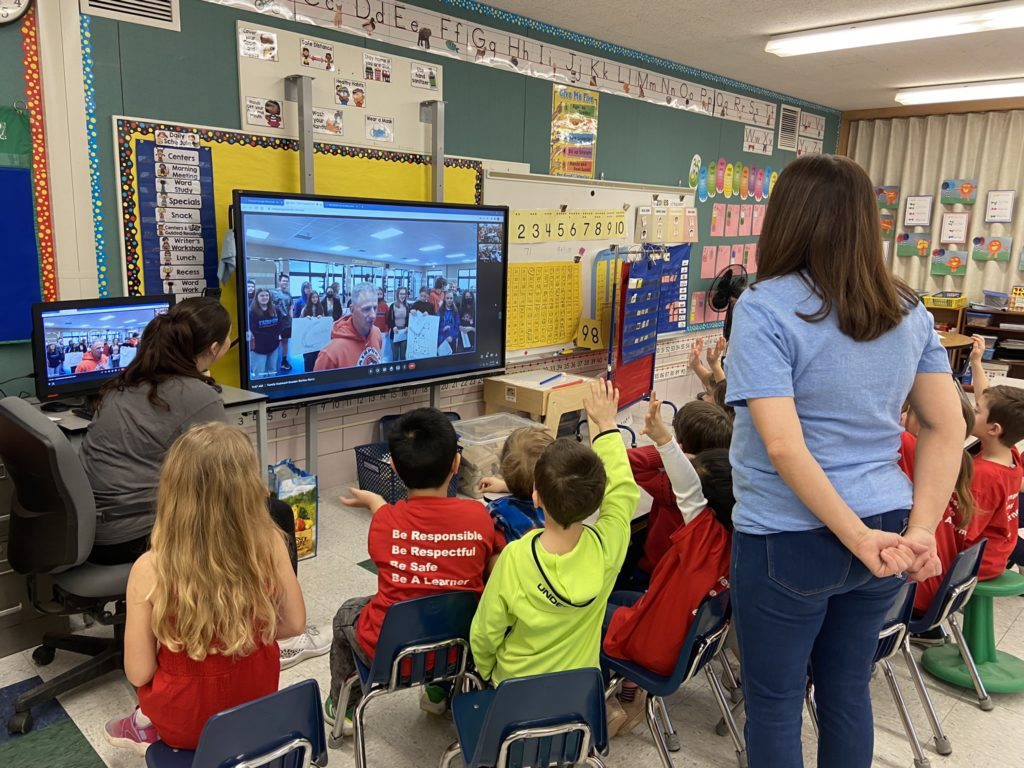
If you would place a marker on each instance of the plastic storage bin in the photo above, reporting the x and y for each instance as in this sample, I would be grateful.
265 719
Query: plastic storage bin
375 473
945 300
481 440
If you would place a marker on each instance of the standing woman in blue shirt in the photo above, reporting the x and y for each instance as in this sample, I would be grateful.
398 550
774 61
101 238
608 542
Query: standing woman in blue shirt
825 348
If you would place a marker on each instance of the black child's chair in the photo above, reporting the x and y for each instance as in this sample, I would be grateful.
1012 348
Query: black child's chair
53 524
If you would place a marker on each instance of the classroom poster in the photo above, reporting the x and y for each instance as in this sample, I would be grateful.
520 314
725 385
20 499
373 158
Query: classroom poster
952 263
999 206
573 132
959 192
329 122
732 220
745 220
913 243
757 219
316 54
953 229
423 76
991 247
918 211
177 218
888 197
257 44
888 224
545 303
380 128
377 68
718 219
641 309
263 112
750 257
757 140
350 93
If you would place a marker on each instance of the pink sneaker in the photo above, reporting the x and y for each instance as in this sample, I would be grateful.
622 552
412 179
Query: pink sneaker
130 732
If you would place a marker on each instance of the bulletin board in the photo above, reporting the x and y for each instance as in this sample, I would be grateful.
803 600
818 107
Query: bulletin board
386 115
245 161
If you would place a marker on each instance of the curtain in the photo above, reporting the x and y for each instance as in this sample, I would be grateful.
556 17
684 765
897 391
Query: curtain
918 153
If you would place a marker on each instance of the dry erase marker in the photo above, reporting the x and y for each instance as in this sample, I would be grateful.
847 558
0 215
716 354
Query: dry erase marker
556 377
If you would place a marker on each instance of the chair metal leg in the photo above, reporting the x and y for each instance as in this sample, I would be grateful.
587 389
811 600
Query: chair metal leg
671 737
812 710
723 705
655 728
920 758
735 689
358 729
984 700
450 754
942 744
474 678
594 761
337 735
721 727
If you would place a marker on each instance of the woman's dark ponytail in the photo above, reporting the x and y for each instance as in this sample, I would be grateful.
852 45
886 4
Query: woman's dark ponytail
171 345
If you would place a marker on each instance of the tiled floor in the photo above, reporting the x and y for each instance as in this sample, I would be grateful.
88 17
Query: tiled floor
400 735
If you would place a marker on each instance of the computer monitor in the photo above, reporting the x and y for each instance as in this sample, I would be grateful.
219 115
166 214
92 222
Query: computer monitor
78 345
339 295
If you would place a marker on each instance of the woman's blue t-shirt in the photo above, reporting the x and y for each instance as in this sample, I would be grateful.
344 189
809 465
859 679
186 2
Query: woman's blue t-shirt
848 396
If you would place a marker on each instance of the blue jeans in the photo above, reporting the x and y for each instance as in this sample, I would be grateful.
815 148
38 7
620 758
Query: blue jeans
802 599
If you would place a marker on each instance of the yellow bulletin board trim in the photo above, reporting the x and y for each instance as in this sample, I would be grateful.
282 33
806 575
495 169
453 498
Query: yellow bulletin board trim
247 161
545 301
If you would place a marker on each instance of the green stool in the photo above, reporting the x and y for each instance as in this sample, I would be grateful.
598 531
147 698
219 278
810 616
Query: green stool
991 669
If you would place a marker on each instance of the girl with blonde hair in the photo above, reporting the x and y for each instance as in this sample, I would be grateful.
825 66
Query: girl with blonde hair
209 600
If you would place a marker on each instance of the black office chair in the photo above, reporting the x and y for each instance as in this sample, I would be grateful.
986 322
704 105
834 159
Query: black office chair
53 524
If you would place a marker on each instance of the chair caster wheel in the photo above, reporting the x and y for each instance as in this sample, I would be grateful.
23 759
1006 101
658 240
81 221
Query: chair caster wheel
986 704
20 722
672 742
43 655
722 729
943 747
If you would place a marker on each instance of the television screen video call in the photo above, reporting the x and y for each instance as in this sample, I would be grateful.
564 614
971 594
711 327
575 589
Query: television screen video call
342 295
80 344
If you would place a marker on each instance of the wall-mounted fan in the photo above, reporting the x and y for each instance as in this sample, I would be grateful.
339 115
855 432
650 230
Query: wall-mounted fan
725 289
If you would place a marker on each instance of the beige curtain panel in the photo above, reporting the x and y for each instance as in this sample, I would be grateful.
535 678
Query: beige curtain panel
917 154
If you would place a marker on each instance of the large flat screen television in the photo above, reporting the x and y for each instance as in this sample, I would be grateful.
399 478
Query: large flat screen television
78 345
339 295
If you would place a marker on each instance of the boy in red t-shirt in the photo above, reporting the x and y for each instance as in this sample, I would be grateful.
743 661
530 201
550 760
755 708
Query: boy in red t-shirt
698 426
423 546
999 426
649 629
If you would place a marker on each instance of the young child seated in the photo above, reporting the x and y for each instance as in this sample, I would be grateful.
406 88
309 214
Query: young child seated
516 514
203 619
428 544
698 427
950 535
999 426
650 629
545 600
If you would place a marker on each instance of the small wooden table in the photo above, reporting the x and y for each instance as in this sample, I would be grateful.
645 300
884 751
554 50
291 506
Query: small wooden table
951 340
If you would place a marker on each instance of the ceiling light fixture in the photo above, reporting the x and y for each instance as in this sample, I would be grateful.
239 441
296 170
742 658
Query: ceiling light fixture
455 256
338 248
429 248
901 29
384 234
256 234
976 91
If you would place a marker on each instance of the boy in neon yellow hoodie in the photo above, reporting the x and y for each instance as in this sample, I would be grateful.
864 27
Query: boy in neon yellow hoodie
544 603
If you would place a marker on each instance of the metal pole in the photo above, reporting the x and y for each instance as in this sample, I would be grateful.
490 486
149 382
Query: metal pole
432 112
299 88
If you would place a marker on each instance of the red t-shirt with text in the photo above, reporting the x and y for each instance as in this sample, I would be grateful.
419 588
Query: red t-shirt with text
422 547
996 488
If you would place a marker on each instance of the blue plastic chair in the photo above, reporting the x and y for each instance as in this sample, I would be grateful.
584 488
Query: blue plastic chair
282 730
412 631
891 639
704 641
952 595
532 722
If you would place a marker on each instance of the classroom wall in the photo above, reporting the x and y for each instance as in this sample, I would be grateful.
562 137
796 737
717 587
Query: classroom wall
191 77
15 358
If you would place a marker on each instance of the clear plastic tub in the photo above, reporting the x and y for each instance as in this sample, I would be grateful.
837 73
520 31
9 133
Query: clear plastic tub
481 440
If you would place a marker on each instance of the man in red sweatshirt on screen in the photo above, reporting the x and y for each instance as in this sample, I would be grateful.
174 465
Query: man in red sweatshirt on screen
355 340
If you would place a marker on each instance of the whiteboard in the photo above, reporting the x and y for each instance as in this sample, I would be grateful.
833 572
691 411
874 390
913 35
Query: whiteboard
526 191
390 100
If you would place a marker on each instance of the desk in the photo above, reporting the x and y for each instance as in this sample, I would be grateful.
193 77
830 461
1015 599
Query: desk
236 402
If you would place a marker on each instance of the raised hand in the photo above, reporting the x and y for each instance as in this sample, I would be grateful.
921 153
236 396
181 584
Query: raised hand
654 425
603 405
